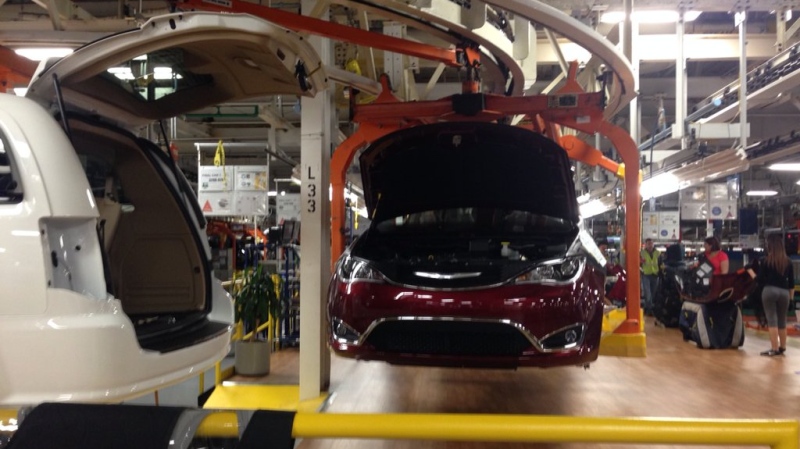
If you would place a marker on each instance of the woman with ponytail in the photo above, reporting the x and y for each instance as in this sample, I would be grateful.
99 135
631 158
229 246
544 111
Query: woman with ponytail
777 277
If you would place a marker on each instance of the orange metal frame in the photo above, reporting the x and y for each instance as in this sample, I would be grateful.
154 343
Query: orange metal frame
468 55
571 107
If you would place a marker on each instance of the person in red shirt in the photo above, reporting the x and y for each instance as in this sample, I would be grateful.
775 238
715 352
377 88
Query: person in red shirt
716 256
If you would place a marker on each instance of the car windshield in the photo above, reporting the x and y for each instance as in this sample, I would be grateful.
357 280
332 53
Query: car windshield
476 221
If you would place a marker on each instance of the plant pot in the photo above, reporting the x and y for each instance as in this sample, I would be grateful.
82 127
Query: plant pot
252 358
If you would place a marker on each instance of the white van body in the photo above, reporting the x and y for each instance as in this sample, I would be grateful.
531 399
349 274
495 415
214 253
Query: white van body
106 289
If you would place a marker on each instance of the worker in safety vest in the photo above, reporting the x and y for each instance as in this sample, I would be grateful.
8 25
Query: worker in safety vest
650 261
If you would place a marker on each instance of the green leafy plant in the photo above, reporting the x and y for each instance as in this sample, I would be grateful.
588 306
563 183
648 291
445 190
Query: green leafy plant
257 300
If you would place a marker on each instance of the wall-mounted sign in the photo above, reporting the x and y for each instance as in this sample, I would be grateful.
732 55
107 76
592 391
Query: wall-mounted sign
661 226
715 201
252 177
287 207
233 190
215 179
216 203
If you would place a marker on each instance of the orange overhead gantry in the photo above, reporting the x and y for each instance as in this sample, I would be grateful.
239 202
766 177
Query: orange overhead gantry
569 107
466 55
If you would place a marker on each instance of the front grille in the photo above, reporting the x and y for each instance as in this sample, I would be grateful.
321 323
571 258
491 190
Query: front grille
460 338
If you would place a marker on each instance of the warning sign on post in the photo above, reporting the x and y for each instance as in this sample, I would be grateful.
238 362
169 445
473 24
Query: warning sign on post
216 203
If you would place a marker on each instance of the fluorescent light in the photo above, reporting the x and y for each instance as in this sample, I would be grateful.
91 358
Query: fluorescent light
785 167
761 193
659 185
39 54
20 91
295 180
272 193
123 73
594 207
162 73
666 16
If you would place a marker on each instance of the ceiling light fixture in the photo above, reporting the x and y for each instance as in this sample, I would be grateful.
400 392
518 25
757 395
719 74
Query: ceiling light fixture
659 185
760 187
40 54
794 166
596 207
718 165
656 16
761 193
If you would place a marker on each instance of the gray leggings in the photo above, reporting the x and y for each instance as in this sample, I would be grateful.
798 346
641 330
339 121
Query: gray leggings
776 304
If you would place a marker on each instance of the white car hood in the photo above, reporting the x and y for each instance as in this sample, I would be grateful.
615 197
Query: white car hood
217 58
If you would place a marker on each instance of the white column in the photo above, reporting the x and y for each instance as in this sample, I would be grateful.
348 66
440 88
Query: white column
681 96
780 28
394 63
317 116
741 21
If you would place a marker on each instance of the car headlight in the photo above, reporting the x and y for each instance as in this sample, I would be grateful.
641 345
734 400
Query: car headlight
560 270
562 339
352 269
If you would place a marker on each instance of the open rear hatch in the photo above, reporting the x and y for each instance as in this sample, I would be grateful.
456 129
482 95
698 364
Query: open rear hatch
156 255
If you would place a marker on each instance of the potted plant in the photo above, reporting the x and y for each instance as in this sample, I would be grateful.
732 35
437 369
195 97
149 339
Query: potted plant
255 303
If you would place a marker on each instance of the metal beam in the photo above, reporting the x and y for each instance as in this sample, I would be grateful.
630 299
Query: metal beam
274 120
698 47
64 9
697 5
370 57
31 28
780 29
52 10
792 29
557 50
432 82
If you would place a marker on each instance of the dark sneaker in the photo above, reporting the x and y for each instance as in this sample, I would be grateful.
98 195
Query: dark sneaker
772 353
781 350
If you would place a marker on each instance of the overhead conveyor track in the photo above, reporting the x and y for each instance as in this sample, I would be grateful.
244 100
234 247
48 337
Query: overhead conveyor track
765 83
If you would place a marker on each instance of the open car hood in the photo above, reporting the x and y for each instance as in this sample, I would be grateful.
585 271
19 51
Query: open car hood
452 165
178 63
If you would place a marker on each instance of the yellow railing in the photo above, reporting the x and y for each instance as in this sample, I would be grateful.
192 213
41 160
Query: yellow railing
222 374
778 434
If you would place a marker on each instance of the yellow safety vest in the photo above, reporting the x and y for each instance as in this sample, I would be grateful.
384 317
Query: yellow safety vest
650 265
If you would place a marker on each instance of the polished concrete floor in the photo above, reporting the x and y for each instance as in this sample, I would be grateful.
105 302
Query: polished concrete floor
676 379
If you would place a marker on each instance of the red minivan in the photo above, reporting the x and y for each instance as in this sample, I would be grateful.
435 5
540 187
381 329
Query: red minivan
474 256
